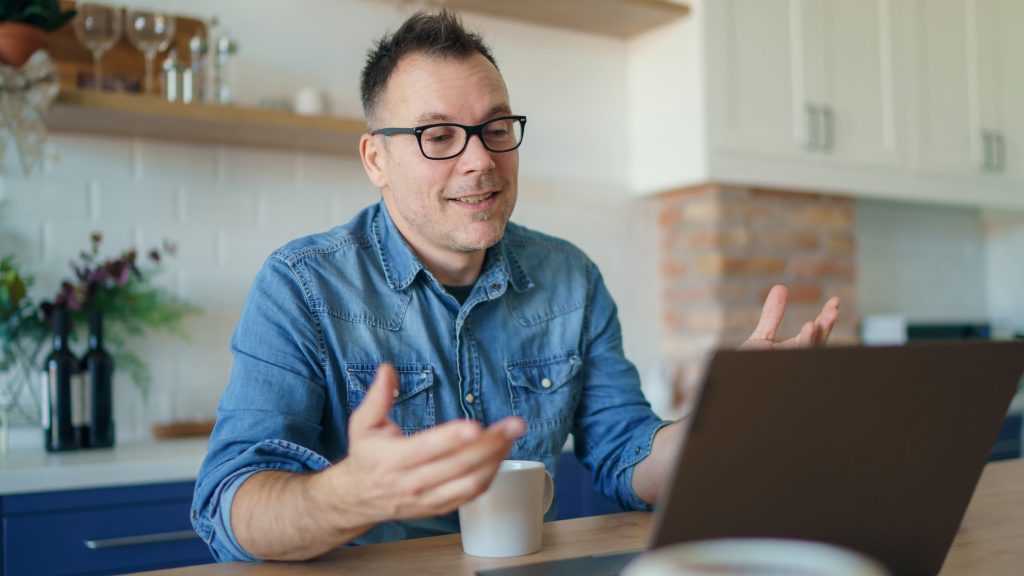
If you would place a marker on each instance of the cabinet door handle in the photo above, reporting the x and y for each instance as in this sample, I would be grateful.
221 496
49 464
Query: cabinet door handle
828 120
812 128
986 142
1000 151
124 541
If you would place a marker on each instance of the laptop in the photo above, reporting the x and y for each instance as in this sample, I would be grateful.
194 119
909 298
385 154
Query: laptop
876 449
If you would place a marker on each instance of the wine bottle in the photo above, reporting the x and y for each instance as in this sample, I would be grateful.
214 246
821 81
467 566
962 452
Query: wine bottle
58 387
98 371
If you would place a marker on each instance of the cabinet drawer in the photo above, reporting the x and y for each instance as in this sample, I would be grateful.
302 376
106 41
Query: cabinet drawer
111 539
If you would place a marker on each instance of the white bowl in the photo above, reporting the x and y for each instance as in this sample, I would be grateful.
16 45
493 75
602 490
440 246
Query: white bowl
753 557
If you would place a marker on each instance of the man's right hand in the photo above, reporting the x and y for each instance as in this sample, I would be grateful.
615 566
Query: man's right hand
386 476
389 476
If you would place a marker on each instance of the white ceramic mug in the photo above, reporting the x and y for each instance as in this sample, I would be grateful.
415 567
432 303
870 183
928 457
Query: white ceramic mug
508 519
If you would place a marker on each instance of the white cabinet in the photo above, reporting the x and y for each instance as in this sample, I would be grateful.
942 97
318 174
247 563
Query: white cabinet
967 88
1001 84
796 77
758 102
945 131
851 76
901 99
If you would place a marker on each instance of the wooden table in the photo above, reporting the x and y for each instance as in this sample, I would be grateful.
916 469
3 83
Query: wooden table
989 543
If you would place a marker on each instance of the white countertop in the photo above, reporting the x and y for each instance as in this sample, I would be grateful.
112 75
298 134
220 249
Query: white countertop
35 470
27 469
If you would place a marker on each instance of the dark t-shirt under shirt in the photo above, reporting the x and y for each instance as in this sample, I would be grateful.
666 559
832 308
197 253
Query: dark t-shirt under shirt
461 293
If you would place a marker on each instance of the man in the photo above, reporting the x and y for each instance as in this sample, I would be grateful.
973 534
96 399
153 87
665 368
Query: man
385 368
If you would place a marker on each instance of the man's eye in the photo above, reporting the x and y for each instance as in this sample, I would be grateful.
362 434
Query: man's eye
439 139
497 133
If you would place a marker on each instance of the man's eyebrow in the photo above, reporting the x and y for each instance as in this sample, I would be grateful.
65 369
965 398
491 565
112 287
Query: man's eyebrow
429 117
499 109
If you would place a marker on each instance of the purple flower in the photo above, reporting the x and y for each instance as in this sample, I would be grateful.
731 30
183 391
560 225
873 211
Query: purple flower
93 277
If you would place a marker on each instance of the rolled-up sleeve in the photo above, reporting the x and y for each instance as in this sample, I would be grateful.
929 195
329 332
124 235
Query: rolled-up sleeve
614 425
269 417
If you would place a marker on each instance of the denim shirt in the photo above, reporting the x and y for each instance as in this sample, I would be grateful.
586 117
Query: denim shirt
538 337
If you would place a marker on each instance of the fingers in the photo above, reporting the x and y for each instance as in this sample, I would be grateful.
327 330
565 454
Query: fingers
476 472
450 495
436 442
803 339
814 333
826 320
376 405
771 313
490 448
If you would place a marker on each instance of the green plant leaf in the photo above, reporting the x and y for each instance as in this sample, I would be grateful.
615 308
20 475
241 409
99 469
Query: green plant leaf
130 311
40 13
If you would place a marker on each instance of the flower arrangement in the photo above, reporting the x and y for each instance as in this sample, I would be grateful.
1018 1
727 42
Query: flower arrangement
121 288
19 328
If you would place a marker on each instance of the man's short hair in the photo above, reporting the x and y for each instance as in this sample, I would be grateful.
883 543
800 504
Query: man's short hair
439 34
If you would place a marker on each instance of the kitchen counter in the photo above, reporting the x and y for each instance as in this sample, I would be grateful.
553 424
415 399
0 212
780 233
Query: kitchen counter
26 470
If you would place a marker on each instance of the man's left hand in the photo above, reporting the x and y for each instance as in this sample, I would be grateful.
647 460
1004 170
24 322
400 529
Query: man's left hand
811 334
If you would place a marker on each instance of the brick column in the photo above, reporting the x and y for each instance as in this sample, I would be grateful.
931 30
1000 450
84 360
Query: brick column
724 247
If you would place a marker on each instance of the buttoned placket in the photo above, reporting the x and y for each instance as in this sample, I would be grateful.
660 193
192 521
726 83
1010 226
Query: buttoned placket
490 286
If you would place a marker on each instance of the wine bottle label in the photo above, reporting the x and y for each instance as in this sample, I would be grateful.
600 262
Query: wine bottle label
45 403
78 401
87 391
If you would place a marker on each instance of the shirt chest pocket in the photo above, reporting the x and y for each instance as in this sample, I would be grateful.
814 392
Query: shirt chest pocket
544 393
413 408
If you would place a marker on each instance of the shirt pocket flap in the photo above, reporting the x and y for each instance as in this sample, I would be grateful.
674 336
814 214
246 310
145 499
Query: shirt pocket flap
412 378
543 375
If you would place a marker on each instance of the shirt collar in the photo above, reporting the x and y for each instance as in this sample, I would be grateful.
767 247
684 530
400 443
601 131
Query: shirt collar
399 261
510 262
401 265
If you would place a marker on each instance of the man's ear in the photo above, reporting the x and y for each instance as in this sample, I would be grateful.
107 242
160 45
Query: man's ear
372 154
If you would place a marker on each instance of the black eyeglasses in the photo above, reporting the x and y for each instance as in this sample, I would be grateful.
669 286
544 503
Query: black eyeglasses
448 140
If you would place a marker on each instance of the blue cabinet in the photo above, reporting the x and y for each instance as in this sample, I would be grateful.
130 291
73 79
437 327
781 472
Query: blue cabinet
147 527
99 531
574 491
1008 445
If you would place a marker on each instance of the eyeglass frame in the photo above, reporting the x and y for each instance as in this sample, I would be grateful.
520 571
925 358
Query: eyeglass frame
476 130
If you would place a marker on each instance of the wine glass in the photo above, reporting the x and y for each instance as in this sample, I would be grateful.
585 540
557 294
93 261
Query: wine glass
98 28
152 33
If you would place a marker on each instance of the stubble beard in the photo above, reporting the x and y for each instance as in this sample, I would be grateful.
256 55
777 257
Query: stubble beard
499 214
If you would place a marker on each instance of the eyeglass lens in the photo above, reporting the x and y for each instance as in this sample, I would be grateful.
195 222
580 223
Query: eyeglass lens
498 135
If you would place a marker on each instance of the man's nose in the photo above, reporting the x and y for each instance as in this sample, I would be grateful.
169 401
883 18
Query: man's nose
476 156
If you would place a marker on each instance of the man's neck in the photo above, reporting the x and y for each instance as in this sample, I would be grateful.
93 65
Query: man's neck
453 269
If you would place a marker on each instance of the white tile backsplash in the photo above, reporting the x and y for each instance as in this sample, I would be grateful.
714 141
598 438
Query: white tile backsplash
228 207
140 193
225 225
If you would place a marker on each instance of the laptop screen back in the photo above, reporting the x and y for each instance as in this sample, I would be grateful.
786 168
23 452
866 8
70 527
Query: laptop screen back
875 449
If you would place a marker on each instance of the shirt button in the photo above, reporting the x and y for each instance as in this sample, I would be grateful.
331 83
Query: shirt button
546 383
495 287
638 450
469 398
195 514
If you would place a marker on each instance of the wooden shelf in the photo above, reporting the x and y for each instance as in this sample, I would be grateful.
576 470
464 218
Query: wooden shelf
621 18
89 112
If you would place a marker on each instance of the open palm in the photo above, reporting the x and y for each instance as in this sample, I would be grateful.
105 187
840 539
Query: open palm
811 333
